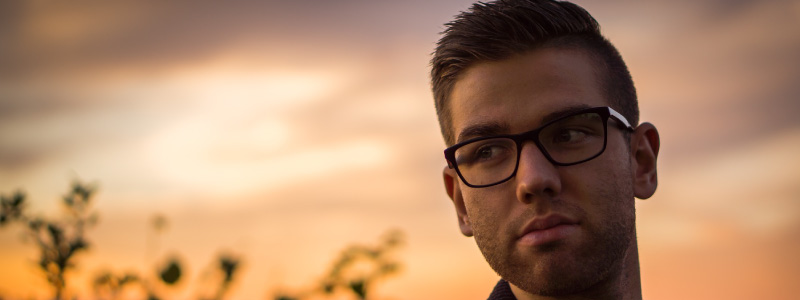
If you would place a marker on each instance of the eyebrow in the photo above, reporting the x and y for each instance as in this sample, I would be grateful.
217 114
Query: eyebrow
481 130
497 128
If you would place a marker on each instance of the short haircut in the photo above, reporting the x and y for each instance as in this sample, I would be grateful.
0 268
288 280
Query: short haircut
500 29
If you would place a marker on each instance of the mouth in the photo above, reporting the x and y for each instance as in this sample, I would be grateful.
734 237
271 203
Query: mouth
548 229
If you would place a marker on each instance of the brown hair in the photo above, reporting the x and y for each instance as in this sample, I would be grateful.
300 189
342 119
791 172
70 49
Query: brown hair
500 29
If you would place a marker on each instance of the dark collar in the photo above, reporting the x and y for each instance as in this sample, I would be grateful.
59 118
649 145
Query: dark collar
502 291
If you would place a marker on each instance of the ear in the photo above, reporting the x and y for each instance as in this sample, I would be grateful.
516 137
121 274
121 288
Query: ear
644 153
453 187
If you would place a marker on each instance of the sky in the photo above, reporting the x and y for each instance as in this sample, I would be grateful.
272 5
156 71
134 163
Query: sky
284 131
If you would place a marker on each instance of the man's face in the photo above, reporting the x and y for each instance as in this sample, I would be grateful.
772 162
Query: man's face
591 203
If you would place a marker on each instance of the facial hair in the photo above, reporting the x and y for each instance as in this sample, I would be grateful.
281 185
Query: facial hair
562 268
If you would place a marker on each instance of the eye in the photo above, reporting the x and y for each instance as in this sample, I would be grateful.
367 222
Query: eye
569 135
485 152
488 152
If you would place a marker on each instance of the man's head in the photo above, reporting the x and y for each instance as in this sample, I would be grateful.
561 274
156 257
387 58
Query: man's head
527 94
499 30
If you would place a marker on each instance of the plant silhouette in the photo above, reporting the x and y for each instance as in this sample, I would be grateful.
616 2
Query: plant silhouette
58 241
168 274
107 285
357 269
354 272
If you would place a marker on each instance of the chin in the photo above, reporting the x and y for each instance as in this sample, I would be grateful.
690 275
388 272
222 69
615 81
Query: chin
558 268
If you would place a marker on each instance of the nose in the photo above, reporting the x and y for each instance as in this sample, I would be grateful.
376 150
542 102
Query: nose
536 177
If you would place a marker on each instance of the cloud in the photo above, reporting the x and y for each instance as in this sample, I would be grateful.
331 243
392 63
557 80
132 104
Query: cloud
713 82
70 38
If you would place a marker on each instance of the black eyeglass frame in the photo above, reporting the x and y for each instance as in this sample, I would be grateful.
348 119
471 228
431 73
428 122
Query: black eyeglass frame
604 111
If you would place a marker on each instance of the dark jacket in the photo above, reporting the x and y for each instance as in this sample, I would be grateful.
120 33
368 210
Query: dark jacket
502 291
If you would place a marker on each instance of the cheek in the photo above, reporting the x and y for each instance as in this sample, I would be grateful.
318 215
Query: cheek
601 188
487 207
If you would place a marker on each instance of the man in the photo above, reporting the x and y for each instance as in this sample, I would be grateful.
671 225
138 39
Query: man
544 154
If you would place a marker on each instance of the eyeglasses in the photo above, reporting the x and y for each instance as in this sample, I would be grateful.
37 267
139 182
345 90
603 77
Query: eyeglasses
569 140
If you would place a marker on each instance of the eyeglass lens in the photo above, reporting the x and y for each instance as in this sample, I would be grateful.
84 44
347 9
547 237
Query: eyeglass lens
569 140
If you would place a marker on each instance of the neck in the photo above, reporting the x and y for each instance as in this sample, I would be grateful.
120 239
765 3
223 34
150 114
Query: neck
624 284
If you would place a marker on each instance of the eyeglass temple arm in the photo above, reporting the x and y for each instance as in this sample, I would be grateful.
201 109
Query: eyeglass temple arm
620 118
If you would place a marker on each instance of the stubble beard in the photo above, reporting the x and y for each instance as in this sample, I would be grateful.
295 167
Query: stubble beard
558 268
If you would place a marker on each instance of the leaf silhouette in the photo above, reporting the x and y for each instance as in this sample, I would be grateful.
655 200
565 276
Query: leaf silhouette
171 273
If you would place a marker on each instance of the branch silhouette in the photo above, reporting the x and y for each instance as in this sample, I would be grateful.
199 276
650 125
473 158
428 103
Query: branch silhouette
58 240
355 271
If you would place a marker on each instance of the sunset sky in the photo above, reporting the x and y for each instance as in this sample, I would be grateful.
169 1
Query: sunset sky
283 131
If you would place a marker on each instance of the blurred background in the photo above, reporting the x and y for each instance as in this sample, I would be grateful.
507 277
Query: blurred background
282 132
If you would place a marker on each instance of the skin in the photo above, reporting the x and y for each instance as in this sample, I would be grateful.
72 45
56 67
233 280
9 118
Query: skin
598 257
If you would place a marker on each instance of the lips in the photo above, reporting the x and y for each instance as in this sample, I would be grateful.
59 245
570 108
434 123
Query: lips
547 229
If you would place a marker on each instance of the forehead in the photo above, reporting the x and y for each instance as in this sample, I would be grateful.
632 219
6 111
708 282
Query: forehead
518 92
